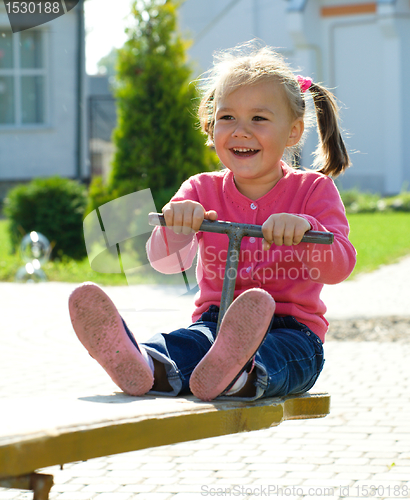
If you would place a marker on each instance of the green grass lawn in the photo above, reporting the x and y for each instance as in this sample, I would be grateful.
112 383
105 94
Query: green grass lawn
379 238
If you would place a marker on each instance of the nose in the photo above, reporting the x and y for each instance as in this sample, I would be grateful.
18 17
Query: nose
241 131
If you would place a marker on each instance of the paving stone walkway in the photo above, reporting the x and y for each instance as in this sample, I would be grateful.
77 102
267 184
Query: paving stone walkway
361 450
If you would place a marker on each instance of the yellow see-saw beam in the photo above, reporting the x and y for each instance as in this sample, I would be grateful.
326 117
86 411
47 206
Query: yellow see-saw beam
43 432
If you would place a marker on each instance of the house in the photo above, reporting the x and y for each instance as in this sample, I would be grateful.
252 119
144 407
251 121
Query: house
42 99
360 49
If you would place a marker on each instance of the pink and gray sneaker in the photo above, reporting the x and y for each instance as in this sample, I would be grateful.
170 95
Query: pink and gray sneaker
103 333
242 331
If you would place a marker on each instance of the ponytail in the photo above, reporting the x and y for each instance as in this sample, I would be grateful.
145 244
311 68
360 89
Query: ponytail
331 154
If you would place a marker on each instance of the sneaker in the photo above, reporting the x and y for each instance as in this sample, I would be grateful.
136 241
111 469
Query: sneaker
102 331
242 331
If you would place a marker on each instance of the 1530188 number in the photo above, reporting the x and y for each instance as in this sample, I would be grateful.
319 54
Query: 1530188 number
33 7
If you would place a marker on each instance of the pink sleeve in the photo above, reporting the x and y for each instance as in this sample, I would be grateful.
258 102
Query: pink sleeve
171 253
168 252
324 211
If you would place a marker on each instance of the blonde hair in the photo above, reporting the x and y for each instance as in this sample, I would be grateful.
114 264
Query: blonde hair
249 64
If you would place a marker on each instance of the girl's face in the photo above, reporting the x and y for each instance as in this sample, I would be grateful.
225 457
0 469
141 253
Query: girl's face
253 127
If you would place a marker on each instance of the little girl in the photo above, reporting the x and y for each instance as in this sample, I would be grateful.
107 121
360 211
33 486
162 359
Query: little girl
270 341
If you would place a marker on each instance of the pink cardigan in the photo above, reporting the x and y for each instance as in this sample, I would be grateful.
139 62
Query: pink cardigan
293 275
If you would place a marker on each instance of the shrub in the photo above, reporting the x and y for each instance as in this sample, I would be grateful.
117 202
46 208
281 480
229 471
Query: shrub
158 141
54 207
356 201
400 202
99 194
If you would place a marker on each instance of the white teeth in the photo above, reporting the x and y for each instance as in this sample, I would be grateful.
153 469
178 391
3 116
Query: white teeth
243 150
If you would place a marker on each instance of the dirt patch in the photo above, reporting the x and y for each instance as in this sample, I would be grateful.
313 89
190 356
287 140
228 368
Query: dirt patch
385 329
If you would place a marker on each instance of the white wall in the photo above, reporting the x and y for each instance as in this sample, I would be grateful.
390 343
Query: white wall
357 50
403 24
49 149
213 25
366 59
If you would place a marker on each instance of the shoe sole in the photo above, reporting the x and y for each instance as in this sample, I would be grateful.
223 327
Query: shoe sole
242 331
100 329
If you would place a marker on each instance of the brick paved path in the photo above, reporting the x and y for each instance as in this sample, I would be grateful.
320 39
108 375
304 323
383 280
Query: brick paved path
362 449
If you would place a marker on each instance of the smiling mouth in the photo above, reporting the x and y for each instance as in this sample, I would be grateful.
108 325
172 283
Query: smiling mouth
244 152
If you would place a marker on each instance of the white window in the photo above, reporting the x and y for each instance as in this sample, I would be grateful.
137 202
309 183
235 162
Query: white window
23 78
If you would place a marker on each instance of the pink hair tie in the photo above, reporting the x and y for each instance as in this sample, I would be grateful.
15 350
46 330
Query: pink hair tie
304 83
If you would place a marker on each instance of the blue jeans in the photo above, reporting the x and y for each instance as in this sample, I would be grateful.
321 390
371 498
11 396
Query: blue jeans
288 361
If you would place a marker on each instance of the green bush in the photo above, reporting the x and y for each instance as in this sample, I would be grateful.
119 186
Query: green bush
99 194
400 203
54 207
356 201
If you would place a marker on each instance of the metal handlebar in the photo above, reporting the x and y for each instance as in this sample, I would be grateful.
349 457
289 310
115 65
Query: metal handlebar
254 230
